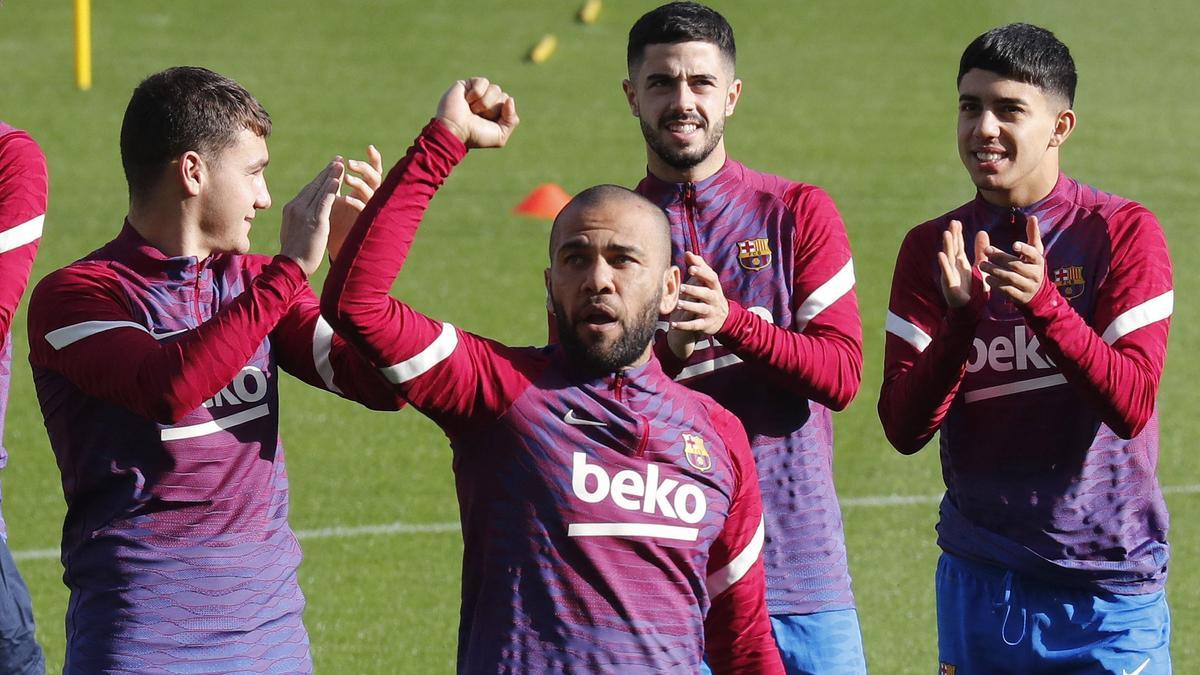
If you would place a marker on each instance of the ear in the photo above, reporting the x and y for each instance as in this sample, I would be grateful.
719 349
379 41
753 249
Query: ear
549 297
670 291
630 96
191 172
1063 126
732 96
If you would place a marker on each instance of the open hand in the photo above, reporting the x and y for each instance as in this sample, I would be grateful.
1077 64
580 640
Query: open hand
347 207
957 272
305 228
1019 274
702 298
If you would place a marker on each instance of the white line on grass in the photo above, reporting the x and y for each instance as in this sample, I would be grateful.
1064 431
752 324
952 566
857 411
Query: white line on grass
339 532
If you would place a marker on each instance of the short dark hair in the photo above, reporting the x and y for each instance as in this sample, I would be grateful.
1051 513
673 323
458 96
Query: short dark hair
680 22
181 109
607 192
1025 53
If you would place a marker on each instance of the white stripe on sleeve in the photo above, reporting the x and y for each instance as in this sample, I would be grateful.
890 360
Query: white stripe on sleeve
22 234
69 335
429 357
322 347
705 367
907 331
720 581
1154 309
828 293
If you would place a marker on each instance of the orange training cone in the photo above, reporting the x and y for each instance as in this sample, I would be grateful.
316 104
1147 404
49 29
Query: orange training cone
545 201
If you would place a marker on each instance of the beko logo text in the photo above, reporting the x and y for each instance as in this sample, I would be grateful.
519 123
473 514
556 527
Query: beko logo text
249 386
632 491
1003 353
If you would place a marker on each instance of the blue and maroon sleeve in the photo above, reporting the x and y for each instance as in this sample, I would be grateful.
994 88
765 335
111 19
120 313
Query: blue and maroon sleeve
820 356
453 376
926 345
737 629
23 197
307 347
1117 364
82 326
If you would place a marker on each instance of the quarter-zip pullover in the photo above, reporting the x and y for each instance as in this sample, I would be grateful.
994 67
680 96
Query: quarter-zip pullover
157 377
611 523
789 352
1049 434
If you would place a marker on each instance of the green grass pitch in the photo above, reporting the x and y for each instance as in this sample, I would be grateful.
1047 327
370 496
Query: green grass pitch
855 96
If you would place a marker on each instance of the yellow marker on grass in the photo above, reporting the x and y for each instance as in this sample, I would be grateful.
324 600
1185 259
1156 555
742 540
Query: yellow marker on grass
590 11
83 44
544 49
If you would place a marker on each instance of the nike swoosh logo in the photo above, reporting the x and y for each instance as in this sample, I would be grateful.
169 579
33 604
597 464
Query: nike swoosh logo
570 418
1139 668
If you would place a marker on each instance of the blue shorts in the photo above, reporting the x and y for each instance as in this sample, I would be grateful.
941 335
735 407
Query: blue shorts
991 620
825 642
19 651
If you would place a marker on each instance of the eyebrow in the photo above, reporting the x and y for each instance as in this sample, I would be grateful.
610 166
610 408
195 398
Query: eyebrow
669 76
582 245
969 98
259 164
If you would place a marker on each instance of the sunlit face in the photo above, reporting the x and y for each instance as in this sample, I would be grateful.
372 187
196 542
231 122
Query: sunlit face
681 93
1008 136
608 281
234 189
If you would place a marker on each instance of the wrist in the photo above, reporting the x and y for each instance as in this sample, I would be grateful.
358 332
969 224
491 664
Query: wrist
734 325
454 128
299 262
1044 300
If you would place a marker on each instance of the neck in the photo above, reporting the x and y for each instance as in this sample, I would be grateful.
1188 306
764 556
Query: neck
641 360
169 226
705 169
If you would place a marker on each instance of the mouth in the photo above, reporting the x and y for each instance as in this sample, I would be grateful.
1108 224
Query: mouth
989 158
684 128
597 318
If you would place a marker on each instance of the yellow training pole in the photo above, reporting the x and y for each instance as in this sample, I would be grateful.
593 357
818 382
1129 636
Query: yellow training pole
83 44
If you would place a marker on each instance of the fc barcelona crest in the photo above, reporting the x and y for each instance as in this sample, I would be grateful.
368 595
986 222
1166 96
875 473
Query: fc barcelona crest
695 452
754 254
1070 281
947 668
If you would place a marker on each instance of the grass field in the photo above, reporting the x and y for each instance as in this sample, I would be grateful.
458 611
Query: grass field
855 96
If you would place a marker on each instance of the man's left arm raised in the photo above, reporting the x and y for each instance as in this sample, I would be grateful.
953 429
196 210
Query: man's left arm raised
305 343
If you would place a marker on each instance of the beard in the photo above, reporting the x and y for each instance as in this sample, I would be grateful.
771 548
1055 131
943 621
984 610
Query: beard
681 158
599 359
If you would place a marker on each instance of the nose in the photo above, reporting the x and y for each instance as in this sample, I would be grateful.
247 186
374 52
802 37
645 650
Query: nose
684 98
599 279
988 125
262 196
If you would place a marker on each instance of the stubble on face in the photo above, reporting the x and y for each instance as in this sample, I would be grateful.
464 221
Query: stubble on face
601 358
681 158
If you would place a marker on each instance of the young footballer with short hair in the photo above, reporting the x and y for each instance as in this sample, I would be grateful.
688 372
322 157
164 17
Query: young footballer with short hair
1036 350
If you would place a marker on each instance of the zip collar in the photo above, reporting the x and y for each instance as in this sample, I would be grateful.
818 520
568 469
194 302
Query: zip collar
664 192
644 378
130 249
1047 209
